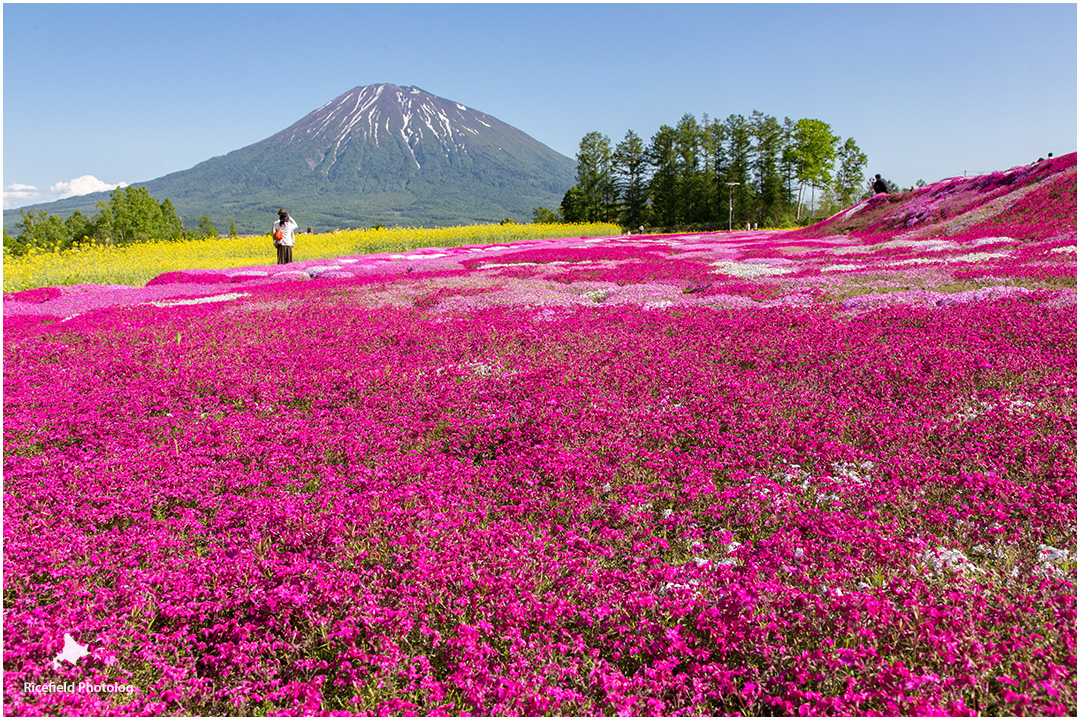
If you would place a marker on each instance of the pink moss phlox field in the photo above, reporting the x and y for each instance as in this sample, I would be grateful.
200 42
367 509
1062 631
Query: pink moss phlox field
707 474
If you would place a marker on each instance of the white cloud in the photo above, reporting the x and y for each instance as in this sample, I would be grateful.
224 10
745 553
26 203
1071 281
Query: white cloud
17 195
81 186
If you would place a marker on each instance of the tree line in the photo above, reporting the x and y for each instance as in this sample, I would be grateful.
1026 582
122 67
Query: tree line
131 215
708 173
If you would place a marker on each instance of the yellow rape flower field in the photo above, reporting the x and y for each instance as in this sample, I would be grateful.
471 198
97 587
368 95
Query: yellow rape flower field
137 263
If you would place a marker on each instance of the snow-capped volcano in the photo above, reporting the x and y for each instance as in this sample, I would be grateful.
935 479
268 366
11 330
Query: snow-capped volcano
375 154
394 117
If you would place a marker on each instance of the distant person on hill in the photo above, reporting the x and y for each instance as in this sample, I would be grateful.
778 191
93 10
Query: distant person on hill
283 232
879 185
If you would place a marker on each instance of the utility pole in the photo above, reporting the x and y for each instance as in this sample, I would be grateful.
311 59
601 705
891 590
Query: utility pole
730 187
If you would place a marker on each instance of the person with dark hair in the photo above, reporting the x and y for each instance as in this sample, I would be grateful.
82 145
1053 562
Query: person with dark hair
879 185
283 231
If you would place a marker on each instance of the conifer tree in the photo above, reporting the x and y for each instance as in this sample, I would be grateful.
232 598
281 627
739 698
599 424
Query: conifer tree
595 176
631 169
766 158
663 185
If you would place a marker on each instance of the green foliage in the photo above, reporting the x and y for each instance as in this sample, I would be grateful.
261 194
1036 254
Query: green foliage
573 207
545 216
130 215
10 244
766 163
700 173
630 166
739 157
40 230
205 228
664 183
850 173
814 149
595 177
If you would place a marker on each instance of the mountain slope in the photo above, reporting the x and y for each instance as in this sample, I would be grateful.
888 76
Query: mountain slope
375 154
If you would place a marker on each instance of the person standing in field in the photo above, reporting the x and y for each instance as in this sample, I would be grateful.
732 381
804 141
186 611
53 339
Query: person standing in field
284 234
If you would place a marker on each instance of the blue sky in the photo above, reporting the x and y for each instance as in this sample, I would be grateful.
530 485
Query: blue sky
95 95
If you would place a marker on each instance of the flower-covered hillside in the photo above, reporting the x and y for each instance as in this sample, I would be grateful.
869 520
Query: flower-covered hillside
1029 202
704 474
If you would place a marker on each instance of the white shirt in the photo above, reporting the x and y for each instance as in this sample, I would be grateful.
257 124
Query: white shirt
287 229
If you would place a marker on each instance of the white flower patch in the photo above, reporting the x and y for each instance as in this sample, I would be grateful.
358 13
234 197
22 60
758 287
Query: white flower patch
927 245
855 249
858 474
1066 249
978 257
990 241
941 558
482 369
249 273
842 266
1049 557
746 270
486 266
672 587
920 261
1013 407
319 270
199 301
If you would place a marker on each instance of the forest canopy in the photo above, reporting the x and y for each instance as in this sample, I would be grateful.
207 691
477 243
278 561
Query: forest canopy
130 215
712 173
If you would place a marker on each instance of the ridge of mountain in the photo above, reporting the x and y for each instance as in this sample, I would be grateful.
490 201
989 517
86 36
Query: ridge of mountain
385 154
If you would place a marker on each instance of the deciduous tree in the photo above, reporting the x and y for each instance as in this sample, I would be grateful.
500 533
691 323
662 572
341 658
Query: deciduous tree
814 146
851 166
